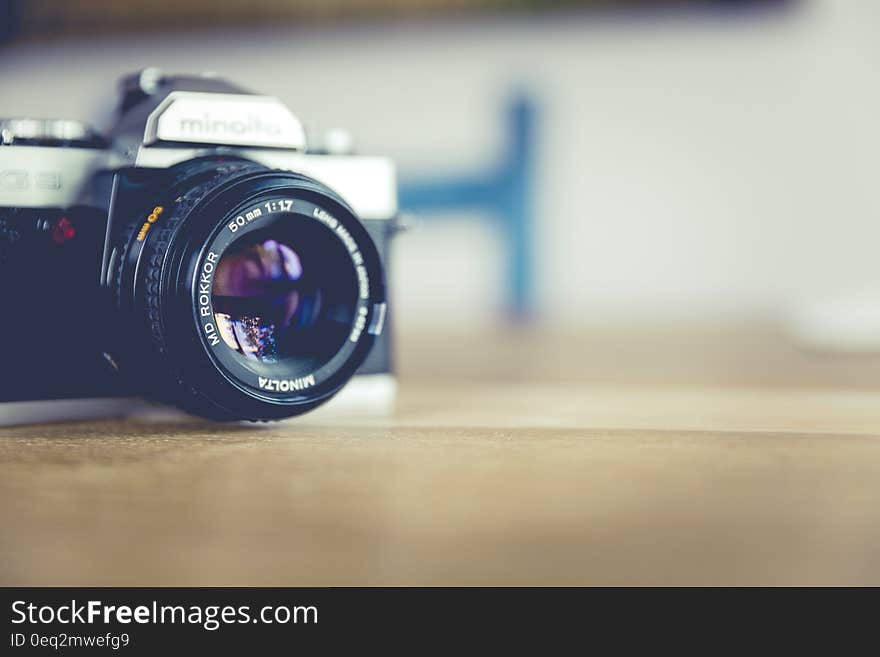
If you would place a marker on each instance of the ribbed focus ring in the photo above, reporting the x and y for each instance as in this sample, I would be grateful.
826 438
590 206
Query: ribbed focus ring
189 191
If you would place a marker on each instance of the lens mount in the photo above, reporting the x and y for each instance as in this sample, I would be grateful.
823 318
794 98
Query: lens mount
261 290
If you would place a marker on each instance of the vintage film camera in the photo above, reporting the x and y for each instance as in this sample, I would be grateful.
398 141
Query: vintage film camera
200 254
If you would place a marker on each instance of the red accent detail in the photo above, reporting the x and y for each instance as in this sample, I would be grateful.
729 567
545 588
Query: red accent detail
63 230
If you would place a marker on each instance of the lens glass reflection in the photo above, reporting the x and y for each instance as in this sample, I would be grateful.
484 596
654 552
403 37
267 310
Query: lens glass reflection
284 297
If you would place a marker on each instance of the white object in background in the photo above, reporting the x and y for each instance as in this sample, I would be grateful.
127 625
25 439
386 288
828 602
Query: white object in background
844 323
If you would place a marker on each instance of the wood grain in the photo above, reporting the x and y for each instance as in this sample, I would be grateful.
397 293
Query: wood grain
674 476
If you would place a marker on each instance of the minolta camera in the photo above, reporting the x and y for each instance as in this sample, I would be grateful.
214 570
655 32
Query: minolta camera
201 253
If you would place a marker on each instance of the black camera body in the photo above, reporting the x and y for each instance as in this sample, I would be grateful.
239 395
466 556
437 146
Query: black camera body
198 254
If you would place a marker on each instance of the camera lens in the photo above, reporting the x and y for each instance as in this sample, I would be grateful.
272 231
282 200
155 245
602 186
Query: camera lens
259 293
284 297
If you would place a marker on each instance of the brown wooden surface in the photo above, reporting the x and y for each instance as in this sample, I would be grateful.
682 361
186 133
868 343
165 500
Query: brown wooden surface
699 458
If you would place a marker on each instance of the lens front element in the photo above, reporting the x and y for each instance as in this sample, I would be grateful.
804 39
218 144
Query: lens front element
284 297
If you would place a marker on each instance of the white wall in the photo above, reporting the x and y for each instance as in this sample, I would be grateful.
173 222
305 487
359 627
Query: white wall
695 165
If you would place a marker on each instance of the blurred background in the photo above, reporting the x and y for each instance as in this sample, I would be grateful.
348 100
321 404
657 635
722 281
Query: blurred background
577 168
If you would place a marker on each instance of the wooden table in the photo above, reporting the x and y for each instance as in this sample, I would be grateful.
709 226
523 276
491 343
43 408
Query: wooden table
714 457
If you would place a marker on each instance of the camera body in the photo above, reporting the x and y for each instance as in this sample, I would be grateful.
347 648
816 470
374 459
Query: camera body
113 244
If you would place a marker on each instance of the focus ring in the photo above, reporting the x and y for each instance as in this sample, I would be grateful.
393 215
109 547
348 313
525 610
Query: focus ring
188 397
171 386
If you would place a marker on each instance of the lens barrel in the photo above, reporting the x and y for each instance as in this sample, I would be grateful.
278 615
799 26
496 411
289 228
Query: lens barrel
249 293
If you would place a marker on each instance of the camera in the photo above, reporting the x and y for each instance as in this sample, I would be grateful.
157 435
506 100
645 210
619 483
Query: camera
202 252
